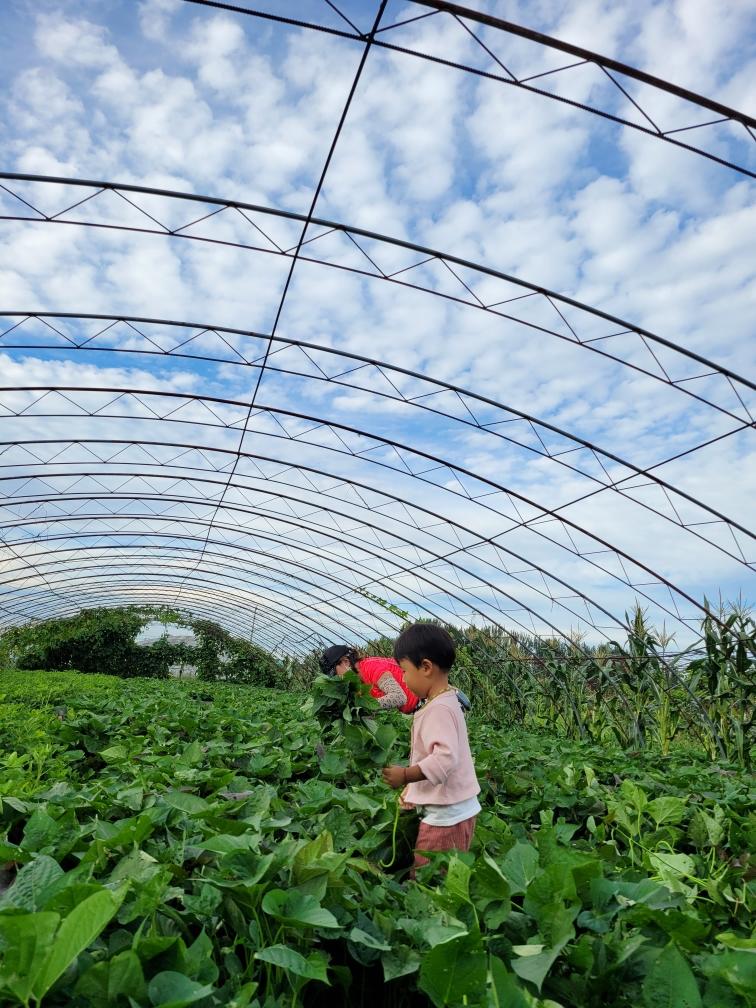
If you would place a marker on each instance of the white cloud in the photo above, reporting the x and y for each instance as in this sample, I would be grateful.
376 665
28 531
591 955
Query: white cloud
74 43
155 17
36 371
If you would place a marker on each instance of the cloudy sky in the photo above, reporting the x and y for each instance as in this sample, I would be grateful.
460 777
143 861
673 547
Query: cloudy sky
269 496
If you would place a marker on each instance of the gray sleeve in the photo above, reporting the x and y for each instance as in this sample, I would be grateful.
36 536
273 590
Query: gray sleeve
394 695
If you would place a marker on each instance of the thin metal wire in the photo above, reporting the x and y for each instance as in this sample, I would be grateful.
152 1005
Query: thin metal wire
305 224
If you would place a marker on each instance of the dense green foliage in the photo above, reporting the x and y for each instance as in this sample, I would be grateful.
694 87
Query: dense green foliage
94 640
105 641
170 843
219 655
637 693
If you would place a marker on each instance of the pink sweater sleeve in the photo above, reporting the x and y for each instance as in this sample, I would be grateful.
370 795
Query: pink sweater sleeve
439 739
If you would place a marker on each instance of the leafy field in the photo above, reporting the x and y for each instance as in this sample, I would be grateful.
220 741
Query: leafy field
167 844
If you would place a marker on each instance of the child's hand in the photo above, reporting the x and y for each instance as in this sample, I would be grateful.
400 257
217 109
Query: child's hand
394 776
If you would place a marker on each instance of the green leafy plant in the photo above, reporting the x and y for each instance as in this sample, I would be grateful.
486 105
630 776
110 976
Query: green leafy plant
220 845
347 714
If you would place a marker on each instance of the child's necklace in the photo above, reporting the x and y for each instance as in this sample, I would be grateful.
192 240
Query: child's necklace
440 693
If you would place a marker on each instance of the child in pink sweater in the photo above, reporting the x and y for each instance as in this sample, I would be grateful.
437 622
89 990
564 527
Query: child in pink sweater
440 778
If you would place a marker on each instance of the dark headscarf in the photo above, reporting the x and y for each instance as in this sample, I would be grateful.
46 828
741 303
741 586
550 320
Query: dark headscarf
332 656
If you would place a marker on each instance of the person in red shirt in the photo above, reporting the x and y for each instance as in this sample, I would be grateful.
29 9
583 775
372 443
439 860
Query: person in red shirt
383 675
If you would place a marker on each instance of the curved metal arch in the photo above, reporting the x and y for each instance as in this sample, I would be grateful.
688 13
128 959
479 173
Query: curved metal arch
73 576
497 650
487 654
236 568
429 612
503 654
349 481
292 543
43 610
462 394
452 467
354 543
238 548
360 544
291 622
417 605
433 613
391 497
297 544
386 531
428 253
286 614
461 14
329 531
69 607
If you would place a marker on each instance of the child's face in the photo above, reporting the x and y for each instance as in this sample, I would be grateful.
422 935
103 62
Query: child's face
417 677
342 666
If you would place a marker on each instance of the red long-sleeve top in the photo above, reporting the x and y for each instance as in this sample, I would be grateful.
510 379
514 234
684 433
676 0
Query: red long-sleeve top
372 669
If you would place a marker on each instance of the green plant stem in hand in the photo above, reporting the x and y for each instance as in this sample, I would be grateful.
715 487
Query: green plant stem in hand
388 864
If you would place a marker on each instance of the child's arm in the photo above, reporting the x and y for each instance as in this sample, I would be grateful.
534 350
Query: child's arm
439 737
399 776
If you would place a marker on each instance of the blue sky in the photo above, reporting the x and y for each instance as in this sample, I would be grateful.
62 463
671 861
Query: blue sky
174 96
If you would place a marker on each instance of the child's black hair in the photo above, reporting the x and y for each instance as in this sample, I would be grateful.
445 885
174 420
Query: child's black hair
426 640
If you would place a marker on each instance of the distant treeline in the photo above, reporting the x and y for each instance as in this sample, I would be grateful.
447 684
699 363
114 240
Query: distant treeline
105 640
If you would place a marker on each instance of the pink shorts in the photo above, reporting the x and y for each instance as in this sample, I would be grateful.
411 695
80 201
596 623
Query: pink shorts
443 838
